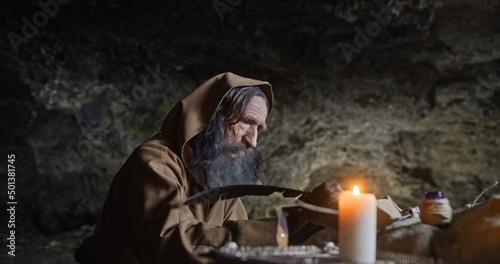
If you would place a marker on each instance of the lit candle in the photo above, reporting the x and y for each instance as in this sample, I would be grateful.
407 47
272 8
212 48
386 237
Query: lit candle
357 226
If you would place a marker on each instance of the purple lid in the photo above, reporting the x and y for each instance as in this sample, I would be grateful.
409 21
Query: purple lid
433 195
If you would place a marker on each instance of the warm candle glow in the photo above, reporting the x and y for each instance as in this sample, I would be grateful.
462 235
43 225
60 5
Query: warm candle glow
357 226
355 190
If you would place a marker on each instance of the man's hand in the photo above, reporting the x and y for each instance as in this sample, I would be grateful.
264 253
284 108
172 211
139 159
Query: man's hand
325 195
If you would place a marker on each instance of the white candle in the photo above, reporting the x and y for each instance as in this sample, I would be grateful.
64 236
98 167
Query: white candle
357 226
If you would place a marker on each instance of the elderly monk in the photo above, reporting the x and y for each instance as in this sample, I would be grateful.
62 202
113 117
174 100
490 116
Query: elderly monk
209 139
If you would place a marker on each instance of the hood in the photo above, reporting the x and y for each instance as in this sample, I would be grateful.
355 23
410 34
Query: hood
193 113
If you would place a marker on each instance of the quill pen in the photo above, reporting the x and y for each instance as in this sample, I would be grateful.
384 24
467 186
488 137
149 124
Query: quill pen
234 191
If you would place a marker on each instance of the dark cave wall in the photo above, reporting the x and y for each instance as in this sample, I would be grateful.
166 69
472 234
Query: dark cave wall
415 106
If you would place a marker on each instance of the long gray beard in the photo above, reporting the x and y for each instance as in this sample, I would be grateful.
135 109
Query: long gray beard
226 170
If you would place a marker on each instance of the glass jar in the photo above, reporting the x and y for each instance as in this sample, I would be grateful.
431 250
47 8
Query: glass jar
435 209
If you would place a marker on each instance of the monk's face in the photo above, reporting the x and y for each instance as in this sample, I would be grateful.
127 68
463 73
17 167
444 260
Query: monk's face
246 131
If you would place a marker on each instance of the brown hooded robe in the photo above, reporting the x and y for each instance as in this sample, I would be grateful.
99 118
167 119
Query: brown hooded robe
141 221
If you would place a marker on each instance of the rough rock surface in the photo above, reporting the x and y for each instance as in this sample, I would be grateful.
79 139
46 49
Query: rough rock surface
412 104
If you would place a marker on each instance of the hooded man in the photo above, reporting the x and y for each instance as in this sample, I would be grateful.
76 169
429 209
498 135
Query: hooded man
209 139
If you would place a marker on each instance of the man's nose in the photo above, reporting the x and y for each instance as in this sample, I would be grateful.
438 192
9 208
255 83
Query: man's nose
251 137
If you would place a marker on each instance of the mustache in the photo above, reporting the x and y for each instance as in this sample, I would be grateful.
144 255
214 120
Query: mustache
236 147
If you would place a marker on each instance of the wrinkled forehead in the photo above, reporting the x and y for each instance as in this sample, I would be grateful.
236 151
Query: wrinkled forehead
246 100
257 107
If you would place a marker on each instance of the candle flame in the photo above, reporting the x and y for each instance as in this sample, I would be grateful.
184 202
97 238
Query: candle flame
355 190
